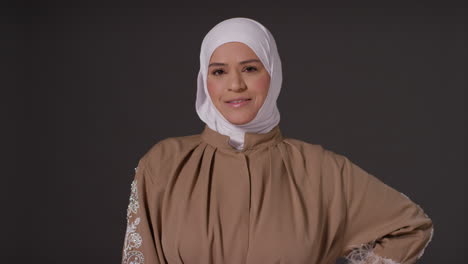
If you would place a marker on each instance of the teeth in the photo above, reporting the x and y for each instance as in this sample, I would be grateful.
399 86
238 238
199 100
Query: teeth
238 101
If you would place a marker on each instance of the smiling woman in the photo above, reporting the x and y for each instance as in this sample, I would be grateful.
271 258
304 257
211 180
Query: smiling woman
241 192
237 82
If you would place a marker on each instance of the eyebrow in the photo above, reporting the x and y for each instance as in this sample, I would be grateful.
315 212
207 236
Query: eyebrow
224 64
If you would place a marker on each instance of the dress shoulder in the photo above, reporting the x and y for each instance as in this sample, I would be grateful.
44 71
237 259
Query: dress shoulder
173 146
166 154
317 155
310 151
303 145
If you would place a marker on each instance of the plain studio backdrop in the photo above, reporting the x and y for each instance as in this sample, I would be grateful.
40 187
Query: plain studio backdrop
95 88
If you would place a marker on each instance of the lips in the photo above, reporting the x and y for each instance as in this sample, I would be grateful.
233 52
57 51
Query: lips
238 100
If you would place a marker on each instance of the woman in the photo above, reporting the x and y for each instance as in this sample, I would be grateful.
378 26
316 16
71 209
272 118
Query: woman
240 192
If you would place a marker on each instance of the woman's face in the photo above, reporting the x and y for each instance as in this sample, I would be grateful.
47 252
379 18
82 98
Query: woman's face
237 82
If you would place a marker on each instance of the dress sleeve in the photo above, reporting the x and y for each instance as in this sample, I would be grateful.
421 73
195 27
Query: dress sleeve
383 226
142 242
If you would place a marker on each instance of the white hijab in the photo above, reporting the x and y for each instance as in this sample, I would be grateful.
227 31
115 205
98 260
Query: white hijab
261 41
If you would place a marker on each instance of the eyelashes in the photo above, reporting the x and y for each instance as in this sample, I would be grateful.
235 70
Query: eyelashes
218 72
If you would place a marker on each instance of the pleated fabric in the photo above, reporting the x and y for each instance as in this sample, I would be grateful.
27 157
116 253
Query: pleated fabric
279 200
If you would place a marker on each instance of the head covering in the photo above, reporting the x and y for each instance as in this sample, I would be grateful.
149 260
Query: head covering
261 41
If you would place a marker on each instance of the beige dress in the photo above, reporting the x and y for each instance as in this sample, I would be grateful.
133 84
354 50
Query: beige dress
195 199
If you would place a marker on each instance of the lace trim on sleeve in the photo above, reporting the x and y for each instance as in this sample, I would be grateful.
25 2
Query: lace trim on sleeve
365 255
133 240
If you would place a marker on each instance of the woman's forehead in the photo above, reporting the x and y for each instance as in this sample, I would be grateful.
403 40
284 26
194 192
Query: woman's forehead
233 51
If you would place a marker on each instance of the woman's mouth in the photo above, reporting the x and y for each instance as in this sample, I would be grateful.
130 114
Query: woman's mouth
238 102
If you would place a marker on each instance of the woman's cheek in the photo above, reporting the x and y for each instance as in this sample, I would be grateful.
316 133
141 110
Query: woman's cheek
262 84
212 88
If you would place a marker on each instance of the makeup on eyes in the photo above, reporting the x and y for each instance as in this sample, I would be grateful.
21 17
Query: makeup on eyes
253 69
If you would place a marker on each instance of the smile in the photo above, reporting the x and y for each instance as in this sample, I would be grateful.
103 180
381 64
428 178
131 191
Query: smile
238 103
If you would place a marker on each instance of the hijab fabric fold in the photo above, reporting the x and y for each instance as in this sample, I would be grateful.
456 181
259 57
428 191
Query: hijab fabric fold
261 41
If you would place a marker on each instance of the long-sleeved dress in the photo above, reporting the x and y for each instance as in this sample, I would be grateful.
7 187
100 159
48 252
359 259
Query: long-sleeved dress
196 199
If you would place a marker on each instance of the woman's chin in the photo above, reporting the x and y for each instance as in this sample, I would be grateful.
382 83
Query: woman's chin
239 120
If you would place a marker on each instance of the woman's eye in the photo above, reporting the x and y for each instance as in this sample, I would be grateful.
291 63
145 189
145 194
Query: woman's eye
217 72
251 69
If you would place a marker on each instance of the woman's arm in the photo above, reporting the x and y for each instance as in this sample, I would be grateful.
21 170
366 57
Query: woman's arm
383 226
142 239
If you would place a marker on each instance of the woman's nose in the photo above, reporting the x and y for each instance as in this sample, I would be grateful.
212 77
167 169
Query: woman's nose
237 83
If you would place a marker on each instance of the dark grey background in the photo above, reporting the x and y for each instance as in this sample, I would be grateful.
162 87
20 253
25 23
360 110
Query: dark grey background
95 88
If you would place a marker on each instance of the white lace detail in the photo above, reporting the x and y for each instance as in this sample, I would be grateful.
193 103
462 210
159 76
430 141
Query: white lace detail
366 255
133 204
133 239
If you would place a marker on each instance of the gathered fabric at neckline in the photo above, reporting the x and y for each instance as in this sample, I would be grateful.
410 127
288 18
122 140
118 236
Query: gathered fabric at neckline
251 140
